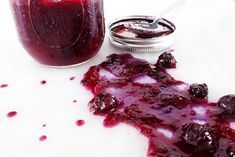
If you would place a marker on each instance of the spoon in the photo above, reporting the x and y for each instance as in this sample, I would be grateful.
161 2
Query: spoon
150 29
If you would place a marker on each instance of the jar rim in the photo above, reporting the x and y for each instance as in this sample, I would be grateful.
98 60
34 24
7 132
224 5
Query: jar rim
134 43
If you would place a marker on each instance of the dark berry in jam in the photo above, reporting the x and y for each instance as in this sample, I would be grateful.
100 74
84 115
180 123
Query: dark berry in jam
231 150
227 103
103 103
60 32
199 138
175 123
166 60
198 90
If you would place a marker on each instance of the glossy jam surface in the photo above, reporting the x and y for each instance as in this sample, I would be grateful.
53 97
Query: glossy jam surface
60 33
177 118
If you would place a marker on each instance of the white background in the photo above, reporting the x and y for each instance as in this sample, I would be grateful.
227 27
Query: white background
204 49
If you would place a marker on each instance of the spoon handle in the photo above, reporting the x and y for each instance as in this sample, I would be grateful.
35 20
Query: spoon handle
169 8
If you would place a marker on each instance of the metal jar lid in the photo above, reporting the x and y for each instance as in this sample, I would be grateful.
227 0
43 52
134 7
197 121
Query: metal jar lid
122 38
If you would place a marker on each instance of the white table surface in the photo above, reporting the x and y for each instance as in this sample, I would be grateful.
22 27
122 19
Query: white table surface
204 49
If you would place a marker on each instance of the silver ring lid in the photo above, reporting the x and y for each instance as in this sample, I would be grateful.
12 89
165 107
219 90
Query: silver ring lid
121 37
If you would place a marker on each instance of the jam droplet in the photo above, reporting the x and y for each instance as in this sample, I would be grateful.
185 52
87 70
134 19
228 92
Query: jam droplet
72 78
11 114
44 125
80 122
43 138
74 101
3 85
43 82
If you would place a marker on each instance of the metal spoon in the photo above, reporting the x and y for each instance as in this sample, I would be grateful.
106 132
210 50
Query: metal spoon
150 29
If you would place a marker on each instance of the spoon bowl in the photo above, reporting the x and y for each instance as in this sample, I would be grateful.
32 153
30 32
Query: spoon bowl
151 29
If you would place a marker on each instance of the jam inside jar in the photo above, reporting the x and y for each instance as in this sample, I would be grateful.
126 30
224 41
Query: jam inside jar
60 32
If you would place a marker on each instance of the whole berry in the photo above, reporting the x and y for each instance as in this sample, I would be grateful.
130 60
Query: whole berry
227 104
198 90
166 60
231 150
200 137
103 103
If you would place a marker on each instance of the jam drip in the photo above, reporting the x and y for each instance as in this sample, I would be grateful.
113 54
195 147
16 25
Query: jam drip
177 118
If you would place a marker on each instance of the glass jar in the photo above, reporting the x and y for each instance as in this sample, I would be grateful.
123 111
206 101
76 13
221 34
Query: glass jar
60 32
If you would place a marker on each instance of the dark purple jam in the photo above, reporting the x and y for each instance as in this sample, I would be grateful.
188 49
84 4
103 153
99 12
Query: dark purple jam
198 90
60 32
166 60
132 91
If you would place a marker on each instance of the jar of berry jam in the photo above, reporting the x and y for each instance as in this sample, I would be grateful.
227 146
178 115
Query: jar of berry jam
60 32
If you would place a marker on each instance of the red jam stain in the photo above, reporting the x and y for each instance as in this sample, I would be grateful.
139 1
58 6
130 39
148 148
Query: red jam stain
43 138
60 33
11 114
3 85
177 118
72 78
43 82
80 122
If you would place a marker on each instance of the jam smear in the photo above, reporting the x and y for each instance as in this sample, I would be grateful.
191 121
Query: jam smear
176 118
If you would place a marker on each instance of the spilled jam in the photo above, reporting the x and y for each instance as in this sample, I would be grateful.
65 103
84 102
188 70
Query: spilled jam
176 117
